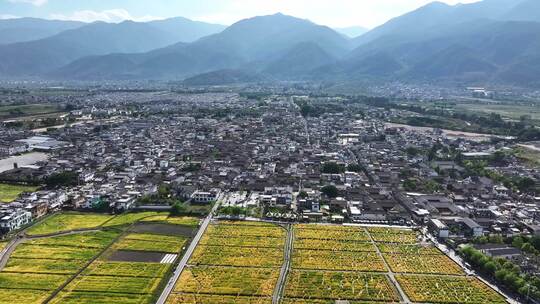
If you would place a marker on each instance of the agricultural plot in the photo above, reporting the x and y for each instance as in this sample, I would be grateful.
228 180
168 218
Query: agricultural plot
174 220
39 267
448 289
246 231
402 238
9 193
428 264
80 240
127 269
237 256
333 245
233 281
330 285
250 241
68 222
129 218
408 249
151 242
30 296
337 260
183 298
236 262
113 284
335 233
76 297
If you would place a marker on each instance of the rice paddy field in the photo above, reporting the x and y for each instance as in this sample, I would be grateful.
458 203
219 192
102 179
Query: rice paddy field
130 258
235 262
356 264
77 267
9 193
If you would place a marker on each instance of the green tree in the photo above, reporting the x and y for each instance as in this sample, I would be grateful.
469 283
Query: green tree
330 191
179 208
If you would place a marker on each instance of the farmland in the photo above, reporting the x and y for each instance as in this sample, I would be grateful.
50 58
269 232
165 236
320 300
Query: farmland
234 263
80 267
9 193
40 267
448 289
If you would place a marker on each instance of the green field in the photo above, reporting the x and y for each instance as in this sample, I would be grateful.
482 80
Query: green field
510 111
9 193
26 110
69 221
530 157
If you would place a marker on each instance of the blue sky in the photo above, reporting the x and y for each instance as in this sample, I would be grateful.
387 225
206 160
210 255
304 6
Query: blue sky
336 13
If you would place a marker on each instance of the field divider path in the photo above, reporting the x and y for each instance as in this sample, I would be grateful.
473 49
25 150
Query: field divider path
74 276
390 273
280 286
187 255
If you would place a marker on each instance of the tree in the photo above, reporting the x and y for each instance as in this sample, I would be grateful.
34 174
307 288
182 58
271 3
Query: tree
330 191
490 267
178 208
410 185
412 151
332 168
354 168
302 195
64 179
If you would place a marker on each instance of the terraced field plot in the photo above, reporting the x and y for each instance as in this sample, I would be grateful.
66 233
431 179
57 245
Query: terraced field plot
448 289
234 263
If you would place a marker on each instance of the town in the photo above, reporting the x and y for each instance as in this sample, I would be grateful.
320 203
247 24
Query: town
273 157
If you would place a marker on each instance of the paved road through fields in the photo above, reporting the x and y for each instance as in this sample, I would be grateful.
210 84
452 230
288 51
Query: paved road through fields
172 282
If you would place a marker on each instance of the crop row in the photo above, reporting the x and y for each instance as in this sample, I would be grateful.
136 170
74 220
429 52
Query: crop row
237 256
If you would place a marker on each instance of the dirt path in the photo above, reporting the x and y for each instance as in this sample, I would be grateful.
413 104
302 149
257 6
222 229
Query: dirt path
391 274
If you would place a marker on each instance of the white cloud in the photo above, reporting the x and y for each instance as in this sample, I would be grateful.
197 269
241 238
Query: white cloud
336 13
4 17
111 16
33 2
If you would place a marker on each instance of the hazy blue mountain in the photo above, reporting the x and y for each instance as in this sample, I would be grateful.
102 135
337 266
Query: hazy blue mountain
224 77
352 31
253 42
437 16
28 29
299 60
99 38
528 10
184 30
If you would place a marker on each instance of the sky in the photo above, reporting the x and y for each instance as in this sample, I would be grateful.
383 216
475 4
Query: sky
334 13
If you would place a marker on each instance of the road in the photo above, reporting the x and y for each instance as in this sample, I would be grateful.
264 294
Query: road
183 262
280 286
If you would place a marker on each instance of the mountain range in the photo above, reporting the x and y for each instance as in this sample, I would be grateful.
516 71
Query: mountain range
492 41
